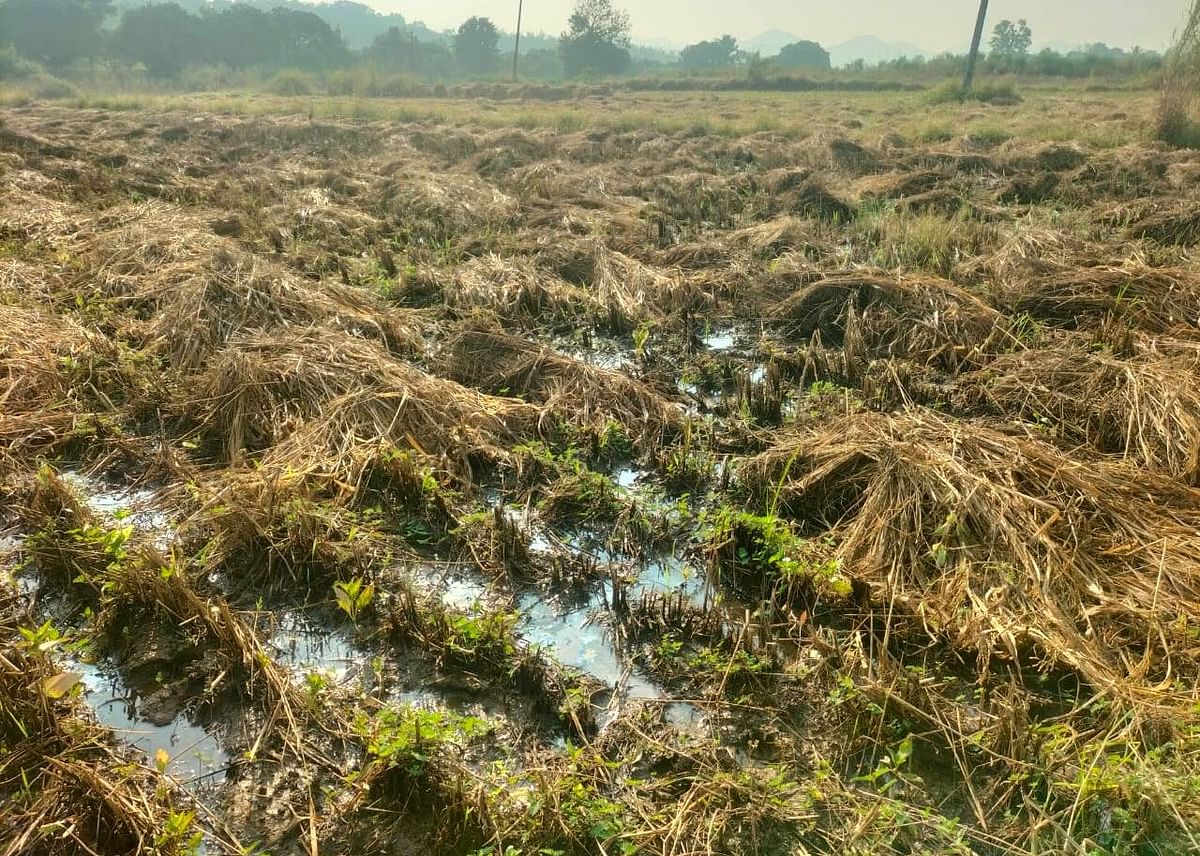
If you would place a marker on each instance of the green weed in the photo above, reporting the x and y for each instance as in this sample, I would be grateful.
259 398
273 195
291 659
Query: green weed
353 596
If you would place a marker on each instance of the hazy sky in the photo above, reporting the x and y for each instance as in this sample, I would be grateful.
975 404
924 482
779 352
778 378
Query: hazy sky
930 24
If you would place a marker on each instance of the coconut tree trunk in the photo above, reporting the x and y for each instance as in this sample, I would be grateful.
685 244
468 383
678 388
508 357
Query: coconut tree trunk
517 47
974 57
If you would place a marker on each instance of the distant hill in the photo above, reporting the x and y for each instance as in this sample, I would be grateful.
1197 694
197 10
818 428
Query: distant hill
871 50
669 45
770 43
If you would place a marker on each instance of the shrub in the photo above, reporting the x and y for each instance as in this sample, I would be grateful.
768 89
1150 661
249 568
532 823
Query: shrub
346 82
50 87
396 86
13 66
1001 94
948 93
291 81
216 78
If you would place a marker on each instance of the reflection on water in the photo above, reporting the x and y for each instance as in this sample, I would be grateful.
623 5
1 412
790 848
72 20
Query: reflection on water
136 508
458 586
571 635
671 575
683 716
719 340
628 477
196 757
301 644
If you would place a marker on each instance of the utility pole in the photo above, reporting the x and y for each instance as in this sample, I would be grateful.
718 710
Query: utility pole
974 57
517 47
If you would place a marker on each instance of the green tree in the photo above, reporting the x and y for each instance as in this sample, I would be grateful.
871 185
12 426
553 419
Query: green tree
803 55
164 38
306 41
718 53
1009 39
241 37
475 45
597 39
55 32
400 51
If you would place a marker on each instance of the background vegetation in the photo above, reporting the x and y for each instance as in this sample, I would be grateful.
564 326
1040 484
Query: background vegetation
296 48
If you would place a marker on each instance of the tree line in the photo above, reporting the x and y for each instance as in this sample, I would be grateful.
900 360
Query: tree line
1011 52
165 38
724 53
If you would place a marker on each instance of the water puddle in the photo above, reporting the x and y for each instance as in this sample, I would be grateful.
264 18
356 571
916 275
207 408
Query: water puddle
702 400
571 633
569 627
10 565
458 586
422 699
611 361
720 340
627 478
672 576
586 547
683 716
196 757
445 695
136 508
604 353
301 644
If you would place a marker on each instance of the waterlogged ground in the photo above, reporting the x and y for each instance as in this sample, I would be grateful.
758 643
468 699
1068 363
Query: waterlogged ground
572 625
466 485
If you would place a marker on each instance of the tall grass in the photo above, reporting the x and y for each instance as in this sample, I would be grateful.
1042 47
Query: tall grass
1177 123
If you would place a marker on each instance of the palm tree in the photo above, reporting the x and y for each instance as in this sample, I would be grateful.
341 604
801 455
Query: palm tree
974 57
517 47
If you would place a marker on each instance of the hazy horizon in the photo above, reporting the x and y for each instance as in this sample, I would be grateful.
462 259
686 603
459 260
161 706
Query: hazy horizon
934 25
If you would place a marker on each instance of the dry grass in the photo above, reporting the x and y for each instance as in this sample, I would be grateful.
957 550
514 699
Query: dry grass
234 342
775 237
314 397
1145 409
629 290
1177 226
197 290
577 393
519 293
52 372
65 785
1152 299
1027 249
37 352
1004 545
64 788
873 315
433 213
